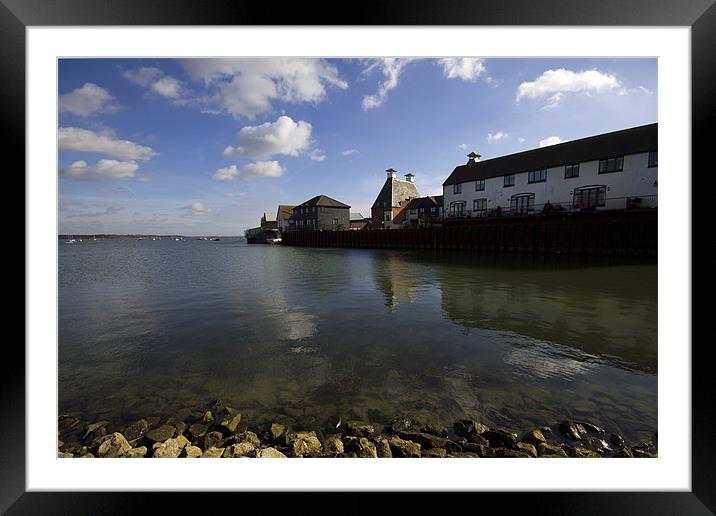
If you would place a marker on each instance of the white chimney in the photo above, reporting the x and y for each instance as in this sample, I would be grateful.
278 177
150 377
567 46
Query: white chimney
410 177
472 157
391 172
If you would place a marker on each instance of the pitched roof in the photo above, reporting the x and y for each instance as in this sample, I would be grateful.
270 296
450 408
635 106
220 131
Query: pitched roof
395 191
269 217
618 143
322 200
285 211
356 216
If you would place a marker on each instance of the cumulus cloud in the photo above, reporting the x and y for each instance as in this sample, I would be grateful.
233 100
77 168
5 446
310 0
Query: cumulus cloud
317 155
496 137
552 140
556 83
465 68
391 68
86 101
156 81
284 136
104 169
350 152
247 87
196 208
84 140
257 168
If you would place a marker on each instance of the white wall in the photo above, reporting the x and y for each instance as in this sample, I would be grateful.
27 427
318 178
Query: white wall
635 180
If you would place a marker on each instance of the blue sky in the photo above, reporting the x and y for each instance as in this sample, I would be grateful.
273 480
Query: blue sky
205 146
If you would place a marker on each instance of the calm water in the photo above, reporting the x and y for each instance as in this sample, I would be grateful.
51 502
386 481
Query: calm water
149 327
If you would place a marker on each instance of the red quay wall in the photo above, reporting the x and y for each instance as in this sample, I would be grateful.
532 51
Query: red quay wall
606 232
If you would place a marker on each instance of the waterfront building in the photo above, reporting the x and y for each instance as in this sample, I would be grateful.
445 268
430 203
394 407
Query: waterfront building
617 170
421 212
393 197
358 221
321 213
284 217
268 221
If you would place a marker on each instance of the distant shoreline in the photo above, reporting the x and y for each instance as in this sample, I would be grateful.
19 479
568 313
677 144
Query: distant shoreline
128 236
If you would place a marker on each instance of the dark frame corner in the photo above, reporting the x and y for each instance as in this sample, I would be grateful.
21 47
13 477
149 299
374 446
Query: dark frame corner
700 15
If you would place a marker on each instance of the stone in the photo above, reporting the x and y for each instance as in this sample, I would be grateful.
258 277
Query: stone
114 446
466 427
230 422
96 430
171 448
368 450
306 444
62 455
66 422
616 440
452 446
527 447
572 430
249 437
438 453
198 430
589 427
425 440
161 433
270 453
477 439
400 424
434 429
383 448
624 453
583 453
402 448
643 454
212 453
136 430
596 445
534 437
277 430
181 427
87 455
550 450
509 452
360 429
500 438
464 455
334 445
213 439
59 444
239 450
136 453
208 417
191 452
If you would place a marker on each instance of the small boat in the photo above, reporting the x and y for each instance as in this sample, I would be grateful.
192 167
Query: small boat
273 240
71 241
215 239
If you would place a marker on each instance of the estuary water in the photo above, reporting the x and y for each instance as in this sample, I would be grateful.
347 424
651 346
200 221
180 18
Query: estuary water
150 327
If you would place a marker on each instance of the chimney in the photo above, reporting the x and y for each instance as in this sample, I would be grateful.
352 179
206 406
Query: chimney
391 172
473 157
410 177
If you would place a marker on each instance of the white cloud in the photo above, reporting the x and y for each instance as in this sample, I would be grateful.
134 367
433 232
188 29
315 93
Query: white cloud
552 140
156 81
88 100
84 140
110 210
462 146
104 169
521 140
499 135
196 208
247 87
465 68
284 136
391 67
258 168
317 155
350 152
555 83
167 87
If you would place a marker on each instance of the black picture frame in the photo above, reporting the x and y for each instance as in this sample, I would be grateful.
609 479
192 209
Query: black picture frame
700 15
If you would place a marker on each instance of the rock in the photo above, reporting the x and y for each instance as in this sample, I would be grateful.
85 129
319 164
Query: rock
114 446
136 453
153 420
59 444
212 453
191 452
434 429
383 448
643 454
334 445
249 437
62 455
277 430
500 438
477 439
87 455
239 450
181 427
534 437
466 427
197 431
306 444
136 430
464 455
438 453
546 429
270 453
171 448
95 430
66 422
400 424
161 434
624 453
596 445
527 447
402 448
208 417
550 450
572 430
359 429
452 446
508 452
583 453
617 440
212 439
589 427
230 422
425 440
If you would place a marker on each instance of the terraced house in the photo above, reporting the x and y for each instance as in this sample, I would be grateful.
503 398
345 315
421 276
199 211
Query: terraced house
617 170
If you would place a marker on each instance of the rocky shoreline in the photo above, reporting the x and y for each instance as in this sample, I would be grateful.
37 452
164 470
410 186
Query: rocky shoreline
216 430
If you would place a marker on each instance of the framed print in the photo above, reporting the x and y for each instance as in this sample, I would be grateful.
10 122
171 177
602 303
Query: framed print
438 236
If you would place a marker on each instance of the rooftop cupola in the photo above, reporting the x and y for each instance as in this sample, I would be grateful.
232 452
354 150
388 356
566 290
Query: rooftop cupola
391 172
473 157
410 177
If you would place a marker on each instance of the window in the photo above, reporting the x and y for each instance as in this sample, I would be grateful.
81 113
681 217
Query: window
335 222
571 171
653 158
457 209
537 176
522 203
413 211
457 188
432 209
611 165
479 205
479 185
509 180
590 197
323 208
422 210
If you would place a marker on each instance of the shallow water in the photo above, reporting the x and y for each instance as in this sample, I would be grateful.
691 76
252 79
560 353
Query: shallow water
149 327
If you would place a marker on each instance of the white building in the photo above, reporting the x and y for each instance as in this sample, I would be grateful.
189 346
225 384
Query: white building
615 170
